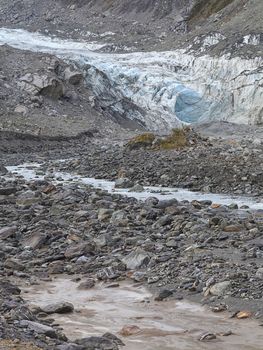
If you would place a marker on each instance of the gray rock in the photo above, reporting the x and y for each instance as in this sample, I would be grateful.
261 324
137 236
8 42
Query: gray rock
35 241
137 188
97 343
6 191
88 284
7 231
259 273
220 288
123 182
39 328
3 170
74 77
43 85
58 308
136 259
70 346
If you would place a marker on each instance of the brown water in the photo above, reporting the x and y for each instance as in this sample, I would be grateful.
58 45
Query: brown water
166 325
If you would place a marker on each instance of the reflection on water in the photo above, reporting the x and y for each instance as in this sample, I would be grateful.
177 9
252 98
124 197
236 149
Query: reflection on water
166 325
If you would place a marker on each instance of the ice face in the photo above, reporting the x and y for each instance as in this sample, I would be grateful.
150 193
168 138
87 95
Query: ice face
160 90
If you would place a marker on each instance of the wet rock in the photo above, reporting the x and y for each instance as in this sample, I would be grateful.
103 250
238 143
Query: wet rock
113 338
220 288
58 308
39 328
70 346
207 337
88 284
129 330
123 183
97 343
137 188
136 259
163 294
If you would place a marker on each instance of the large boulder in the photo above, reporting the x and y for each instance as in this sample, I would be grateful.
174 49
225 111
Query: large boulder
74 77
42 85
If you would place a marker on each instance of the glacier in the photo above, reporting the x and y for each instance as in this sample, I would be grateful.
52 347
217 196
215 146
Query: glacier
159 90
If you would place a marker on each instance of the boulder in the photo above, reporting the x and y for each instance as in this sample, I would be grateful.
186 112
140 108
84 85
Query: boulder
58 308
6 191
123 182
35 240
220 288
97 343
3 170
39 328
136 259
80 249
42 85
74 77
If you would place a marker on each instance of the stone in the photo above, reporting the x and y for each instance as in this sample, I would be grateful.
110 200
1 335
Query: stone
7 232
136 259
129 330
137 188
88 284
58 308
43 85
233 228
259 273
3 170
74 77
97 343
6 191
35 240
14 264
76 250
164 293
123 182
104 214
20 109
220 288
39 328
70 346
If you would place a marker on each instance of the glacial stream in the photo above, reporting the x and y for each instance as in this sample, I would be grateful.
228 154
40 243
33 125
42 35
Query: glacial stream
33 171
166 325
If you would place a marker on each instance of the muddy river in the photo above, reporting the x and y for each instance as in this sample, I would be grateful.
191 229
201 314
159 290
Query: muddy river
162 325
